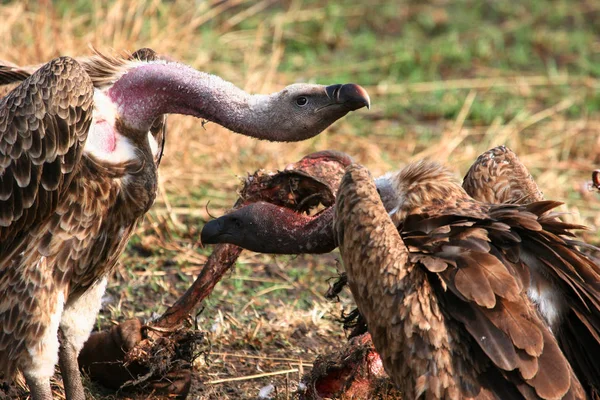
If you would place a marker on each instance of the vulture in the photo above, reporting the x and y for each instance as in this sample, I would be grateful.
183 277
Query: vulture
80 144
456 291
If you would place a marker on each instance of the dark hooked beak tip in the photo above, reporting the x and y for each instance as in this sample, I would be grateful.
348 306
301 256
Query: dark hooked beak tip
351 95
211 232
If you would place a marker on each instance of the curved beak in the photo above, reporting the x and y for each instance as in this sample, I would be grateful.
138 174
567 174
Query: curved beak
212 231
351 95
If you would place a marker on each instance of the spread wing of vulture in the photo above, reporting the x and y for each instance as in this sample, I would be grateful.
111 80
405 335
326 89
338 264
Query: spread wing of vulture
80 143
444 280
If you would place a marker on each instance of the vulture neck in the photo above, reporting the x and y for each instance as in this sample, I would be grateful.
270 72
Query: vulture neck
289 232
373 251
148 91
307 235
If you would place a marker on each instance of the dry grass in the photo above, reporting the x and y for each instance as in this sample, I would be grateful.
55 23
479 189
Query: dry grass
269 317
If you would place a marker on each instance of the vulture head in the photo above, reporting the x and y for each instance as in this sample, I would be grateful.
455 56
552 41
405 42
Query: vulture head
142 91
267 227
301 111
272 228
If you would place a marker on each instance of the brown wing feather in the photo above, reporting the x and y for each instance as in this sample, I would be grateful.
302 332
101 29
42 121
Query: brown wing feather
497 177
10 78
504 324
577 279
10 74
43 126
512 318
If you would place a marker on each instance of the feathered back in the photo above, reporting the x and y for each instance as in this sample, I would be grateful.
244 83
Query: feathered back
44 123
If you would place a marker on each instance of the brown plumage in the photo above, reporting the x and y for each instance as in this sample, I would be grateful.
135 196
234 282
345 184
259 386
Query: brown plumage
80 144
65 217
438 222
445 300
498 176
567 290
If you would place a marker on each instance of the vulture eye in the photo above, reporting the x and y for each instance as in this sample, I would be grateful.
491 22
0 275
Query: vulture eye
302 101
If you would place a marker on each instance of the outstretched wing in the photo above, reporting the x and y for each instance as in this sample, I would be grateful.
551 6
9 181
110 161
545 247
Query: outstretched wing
43 127
565 284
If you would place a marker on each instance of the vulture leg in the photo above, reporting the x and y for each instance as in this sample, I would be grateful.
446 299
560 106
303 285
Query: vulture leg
39 387
67 359
75 326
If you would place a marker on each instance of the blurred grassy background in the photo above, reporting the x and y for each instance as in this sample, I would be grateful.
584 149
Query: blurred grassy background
447 79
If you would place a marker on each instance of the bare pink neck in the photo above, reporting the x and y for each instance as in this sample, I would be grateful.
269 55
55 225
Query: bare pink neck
148 91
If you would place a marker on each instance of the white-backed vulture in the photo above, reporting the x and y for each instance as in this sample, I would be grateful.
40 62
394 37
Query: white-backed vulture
80 143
